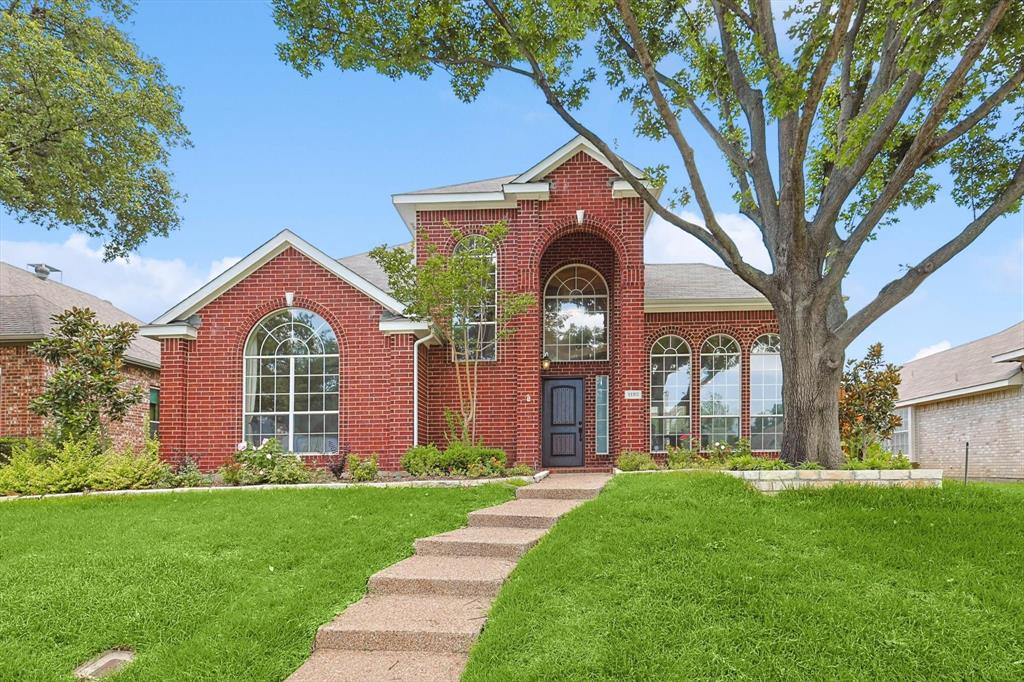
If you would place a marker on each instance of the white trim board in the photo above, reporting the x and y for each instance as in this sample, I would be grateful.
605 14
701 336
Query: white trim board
961 392
274 247
686 305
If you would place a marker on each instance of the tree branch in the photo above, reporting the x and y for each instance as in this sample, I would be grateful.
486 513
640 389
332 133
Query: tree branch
898 289
983 110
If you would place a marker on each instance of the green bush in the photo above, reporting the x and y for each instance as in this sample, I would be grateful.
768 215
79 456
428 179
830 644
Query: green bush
268 463
636 461
188 475
458 459
690 457
362 469
810 466
126 470
7 445
422 460
519 470
748 462
44 469
877 457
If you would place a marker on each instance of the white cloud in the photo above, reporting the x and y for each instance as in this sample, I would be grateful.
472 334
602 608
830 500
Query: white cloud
666 243
140 285
932 350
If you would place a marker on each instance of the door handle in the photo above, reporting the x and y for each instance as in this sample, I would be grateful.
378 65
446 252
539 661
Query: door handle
581 431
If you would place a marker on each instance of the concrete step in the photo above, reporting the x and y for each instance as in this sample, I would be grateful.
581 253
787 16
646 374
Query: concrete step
334 665
505 543
435 623
523 513
460 576
564 487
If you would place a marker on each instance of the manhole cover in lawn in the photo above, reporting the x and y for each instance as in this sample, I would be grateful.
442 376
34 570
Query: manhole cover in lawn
107 663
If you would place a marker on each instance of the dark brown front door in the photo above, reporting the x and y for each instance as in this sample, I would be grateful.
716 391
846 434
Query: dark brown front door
563 422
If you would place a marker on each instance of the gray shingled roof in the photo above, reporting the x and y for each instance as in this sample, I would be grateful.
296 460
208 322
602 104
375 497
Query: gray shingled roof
665 282
686 281
488 185
962 367
27 302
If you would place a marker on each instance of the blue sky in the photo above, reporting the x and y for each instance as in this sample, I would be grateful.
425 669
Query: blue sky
322 156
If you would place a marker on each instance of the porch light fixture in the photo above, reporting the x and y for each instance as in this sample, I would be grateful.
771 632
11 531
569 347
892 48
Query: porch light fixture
289 298
545 361
580 213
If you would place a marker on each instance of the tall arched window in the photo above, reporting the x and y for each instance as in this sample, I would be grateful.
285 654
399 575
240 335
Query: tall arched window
766 394
576 315
291 382
474 331
719 391
670 393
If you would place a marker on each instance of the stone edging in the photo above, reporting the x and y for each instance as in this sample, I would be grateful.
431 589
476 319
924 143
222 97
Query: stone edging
425 483
790 479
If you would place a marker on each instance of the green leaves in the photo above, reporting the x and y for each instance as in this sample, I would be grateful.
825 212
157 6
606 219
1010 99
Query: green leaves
85 388
86 124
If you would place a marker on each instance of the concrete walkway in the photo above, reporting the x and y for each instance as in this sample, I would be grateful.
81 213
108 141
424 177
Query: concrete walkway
422 615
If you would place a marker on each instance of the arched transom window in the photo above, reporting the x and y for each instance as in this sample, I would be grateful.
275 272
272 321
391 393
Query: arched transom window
766 394
576 315
474 330
670 393
719 391
291 382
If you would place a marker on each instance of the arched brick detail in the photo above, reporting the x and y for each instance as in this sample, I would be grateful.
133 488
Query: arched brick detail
567 225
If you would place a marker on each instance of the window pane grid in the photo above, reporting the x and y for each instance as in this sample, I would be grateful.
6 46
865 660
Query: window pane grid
766 411
291 393
670 393
576 315
601 416
720 391
474 332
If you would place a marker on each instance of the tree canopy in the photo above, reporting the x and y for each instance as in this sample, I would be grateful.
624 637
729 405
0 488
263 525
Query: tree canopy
86 123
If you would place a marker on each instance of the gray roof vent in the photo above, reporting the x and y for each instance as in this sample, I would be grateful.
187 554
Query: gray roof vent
42 270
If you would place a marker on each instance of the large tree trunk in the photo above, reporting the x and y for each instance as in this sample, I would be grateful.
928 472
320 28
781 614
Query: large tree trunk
812 368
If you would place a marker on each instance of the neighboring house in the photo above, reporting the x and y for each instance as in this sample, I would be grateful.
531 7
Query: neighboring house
28 300
968 394
293 344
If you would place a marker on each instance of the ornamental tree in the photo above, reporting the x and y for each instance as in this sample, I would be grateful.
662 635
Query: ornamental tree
86 123
85 387
456 292
867 401
861 109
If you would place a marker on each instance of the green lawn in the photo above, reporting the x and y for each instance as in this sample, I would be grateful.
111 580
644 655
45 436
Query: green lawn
695 576
218 586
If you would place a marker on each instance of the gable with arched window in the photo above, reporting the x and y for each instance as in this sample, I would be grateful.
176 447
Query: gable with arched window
474 331
766 394
670 393
576 315
291 382
720 401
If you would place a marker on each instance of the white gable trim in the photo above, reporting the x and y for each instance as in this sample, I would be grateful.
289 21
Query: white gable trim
245 267
566 152
690 305
181 330
1015 380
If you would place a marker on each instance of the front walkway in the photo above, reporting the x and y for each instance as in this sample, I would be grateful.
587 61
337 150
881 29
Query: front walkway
422 615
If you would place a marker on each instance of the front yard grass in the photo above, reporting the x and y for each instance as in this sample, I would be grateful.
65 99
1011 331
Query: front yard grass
697 577
204 586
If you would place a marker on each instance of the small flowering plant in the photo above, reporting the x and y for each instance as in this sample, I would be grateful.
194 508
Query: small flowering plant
264 463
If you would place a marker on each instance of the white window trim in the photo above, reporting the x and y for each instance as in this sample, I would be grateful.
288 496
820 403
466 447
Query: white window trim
608 312
607 415
650 388
750 407
700 384
497 275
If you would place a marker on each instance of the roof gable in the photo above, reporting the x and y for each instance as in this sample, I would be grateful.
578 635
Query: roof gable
578 144
269 250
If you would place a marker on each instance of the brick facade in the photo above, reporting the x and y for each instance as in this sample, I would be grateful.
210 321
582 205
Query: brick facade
202 378
23 377
992 422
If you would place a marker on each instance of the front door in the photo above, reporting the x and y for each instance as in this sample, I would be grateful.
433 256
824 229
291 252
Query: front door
563 423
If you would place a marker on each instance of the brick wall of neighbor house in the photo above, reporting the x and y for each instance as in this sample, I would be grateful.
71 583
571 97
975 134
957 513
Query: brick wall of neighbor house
23 377
992 422
201 397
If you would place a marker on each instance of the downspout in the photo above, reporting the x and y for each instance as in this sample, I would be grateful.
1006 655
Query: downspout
416 387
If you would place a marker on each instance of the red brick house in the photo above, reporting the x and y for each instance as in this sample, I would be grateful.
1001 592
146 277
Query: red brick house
295 344
27 302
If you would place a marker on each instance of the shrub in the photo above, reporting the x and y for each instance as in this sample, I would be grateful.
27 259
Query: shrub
810 466
690 457
458 459
43 468
748 462
188 475
636 461
126 470
422 460
362 469
8 444
268 463
877 457
519 470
